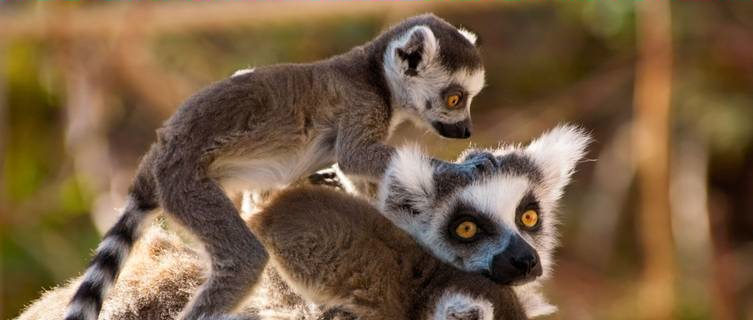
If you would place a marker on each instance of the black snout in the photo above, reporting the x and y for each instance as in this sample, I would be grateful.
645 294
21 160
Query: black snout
519 263
457 130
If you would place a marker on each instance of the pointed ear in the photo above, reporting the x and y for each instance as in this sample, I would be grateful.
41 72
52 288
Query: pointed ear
556 153
415 49
407 187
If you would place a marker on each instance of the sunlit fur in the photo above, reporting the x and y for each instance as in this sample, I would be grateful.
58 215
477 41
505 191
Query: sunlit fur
157 282
411 93
472 37
546 165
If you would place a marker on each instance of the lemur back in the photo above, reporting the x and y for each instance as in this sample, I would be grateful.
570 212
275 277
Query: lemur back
338 250
273 125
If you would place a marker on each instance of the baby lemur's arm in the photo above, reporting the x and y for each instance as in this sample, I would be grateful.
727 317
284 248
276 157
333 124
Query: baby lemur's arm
361 150
360 143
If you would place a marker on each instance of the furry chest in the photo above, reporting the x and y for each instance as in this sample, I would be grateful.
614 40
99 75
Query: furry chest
274 169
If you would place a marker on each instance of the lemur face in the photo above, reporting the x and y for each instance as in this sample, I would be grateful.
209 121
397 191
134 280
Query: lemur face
434 71
503 223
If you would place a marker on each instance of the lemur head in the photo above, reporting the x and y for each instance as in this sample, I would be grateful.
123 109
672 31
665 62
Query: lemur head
501 224
433 71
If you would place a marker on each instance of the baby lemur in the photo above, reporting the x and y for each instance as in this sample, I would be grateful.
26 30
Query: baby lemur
271 125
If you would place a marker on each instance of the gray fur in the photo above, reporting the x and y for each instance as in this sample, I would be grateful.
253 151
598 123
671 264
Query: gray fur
265 128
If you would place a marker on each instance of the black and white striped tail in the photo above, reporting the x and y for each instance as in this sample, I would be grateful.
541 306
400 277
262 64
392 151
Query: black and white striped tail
106 264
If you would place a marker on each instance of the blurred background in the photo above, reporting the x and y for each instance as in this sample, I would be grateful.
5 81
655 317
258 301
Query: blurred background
658 226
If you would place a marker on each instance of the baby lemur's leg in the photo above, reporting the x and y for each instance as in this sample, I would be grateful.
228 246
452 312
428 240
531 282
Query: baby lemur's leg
237 257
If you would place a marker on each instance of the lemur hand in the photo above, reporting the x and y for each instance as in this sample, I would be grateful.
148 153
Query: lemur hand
473 166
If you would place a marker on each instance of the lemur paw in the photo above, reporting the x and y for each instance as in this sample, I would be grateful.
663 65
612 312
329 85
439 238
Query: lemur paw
480 162
473 166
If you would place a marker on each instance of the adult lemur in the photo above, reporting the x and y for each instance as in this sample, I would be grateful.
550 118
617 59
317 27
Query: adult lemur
337 251
271 125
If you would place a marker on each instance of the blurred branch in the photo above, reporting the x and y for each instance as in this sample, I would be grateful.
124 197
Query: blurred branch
651 149
164 17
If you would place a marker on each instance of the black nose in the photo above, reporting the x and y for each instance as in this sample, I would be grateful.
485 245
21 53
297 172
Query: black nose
457 130
524 263
519 263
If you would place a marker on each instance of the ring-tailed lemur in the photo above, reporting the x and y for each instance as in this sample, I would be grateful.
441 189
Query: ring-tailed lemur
269 126
337 250
502 224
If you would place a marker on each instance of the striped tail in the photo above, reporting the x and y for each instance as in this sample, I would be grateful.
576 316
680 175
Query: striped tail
106 264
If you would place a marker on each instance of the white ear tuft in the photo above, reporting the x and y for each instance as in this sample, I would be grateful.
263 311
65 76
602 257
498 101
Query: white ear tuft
242 72
557 152
410 171
415 48
472 37
427 40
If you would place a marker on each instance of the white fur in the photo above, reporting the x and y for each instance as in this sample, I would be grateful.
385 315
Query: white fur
394 65
472 80
265 171
555 155
410 93
453 305
533 301
499 196
414 169
431 73
345 181
242 72
472 37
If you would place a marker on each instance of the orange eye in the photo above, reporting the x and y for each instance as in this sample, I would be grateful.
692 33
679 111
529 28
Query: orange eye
453 100
529 218
466 230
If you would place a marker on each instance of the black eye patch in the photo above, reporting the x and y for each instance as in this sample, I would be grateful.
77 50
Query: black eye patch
528 202
462 213
455 89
